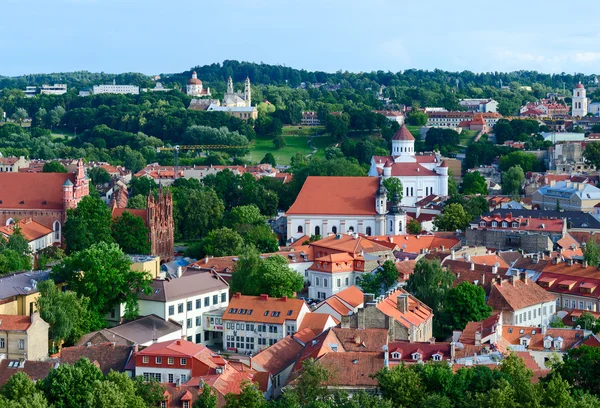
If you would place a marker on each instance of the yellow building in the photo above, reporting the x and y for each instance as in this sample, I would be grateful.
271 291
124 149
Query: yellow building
146 263
18 292
23 337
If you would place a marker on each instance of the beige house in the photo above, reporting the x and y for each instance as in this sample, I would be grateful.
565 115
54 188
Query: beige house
13 164
569 195
23 337
18 292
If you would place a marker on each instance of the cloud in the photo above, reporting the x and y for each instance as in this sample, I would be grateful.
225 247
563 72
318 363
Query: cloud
587 57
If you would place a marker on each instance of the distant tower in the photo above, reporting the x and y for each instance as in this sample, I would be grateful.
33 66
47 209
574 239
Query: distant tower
381 198
247 92
403 146
230 86
395 220
579 107
194 86
161 225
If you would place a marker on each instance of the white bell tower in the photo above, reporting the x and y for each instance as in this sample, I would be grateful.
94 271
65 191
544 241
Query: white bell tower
579 106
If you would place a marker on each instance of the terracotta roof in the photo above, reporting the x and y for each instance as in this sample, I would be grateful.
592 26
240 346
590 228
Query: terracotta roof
280 355
336 196
573 314
361 339
486 327
426 350
143 214
511 335
416 243
403 134
34 190
490 259
523 223
305 335
14 322
317 322
353 368
347 243
411 169
580 86
592 341
418 312
352 296
30 229
174 348
517 295
336 305
263 309
36 370
106 355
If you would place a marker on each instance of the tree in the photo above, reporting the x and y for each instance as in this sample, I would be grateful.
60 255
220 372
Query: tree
249 397
474 183
581 369
393 186
416 118
527 161
253 275
207 398
71 385
512 180
370 283
453 218
219 242
87 224
103 273
15 254
53 167
388 274
465 303
20 388
19 116
196 212
65 312
131 234
311 386
269 159
414 227
587 321
141 186
591 154
244 214
98 175
138 202
591 252
401 385
279 142
519 377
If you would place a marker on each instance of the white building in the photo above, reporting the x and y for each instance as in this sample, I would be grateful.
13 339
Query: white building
115 89
570 196
453 119
37 235
479 105
196 300
594 108
30 91
392 116
420 175
194 87
253 323
580 102
56 89
343 303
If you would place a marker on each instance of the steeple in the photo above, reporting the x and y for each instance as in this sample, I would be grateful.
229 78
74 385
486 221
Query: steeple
396 218
247 92
229 86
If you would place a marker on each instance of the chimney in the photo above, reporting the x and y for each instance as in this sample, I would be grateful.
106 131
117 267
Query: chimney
136 348
264 297
432 340
386 356
452 255
237 295
494 269
472 266
206 259
584 263
524 278
478 338
513 280
482 279
499 280
402 303
284 298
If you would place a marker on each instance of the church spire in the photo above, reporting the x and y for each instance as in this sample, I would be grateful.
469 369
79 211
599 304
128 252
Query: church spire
229 86
247 92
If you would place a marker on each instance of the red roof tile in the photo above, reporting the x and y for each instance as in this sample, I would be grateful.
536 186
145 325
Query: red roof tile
33 189
517 295
263 309
403 134
14 322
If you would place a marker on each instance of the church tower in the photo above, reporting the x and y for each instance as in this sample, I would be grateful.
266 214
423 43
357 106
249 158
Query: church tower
247 92
403 146
579 106
230 86
381 198
396 218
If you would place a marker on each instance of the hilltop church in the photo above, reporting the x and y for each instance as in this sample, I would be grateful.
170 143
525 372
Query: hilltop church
360 204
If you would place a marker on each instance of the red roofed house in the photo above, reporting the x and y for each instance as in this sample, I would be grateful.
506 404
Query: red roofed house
38 236
421 174
343 303
403 315
521 301
158 217
42 197
251 323
23 337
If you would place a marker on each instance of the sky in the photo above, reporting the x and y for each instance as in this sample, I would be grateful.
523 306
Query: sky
153 37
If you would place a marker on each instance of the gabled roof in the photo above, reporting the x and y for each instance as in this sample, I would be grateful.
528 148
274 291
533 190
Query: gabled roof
107 356
361 339
348 243
353 296
263 309
511 335
336 196
173 348
278 356
418 312
353 368
34 190
30 229
416 243
191 283
411 169
403 134
14 322
517 295
426 350
36 370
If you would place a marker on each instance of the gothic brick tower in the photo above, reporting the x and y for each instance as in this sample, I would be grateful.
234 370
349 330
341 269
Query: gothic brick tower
160 224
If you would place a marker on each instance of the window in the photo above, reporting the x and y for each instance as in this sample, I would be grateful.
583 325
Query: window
325 282
180 308
368 230
567 303
198 321
183 361
170 361
171 379
346 281
317 230
339 283
2 342
189 305
317 281
494 224
189 338
207 301
183 377
580 304
482 224
223 297
198 303
163 404
574 304
300 229
515 224
504 224
145 359
189 323
171 310
158 360
186 404
215 299
529 315
437 357
334 229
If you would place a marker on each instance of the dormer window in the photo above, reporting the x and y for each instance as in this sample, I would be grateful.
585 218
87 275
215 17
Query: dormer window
515 224
558 343
525 340
548 342
417 356
396 355
482 224
494 224
437 357
504 224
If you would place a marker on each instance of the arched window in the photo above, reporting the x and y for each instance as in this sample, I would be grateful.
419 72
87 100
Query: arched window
334 229
317 230
368 230
300 229
400 226
56 229
351 229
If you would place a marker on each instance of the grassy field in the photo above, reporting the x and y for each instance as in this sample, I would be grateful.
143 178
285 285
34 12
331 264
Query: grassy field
321 143
302 130
415 130
466 137
294 144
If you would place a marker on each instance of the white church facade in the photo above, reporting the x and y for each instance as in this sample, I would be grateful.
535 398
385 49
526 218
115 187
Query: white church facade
421 175
194 87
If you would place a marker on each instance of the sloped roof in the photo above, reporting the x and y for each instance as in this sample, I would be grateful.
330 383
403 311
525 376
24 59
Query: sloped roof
106 355
336 196
191 283
263 309
351 295
36 370
411 169
353 368
348 243
361 339
278 356
517 295
140 330
30 229
418 312
14 322
403 134
35 190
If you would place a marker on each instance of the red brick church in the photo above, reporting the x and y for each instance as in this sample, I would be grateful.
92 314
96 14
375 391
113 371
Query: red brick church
43 197
158 217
